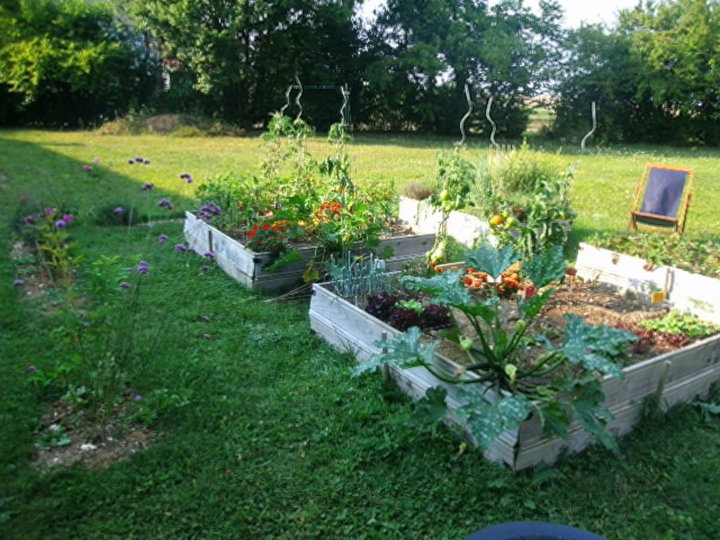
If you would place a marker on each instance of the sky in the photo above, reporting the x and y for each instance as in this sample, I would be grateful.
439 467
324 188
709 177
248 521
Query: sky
576 11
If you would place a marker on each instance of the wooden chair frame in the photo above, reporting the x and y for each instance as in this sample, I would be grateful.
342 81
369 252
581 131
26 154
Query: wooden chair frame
658 222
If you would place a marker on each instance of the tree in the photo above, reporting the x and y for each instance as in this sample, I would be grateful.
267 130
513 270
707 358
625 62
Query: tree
243 54
654 76
427 50
676 43
69 62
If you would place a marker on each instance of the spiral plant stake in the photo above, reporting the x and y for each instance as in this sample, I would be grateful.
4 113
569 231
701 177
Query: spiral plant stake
590 133
467 115
345 108
297 97
494 126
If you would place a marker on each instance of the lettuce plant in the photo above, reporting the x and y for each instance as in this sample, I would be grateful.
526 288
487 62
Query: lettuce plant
511 374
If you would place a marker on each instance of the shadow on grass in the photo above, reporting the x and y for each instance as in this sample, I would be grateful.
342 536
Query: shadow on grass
34 173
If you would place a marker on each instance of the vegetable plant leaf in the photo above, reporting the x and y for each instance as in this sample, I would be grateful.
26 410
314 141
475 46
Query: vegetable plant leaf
446 288
531 307
545 267
487 421
405 350
554 419
491 260
286 258
431 409
595 347
486 310
588 410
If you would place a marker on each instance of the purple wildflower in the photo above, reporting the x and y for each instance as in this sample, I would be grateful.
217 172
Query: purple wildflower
209 255
119 210
18 283
162 239
124 285
60 224
148 187
131 161
138 397
31 368
139 159
143 268
30 219
68 218
165 204
181 247
192 250
208 337
204 268
49 211
87 167
146 162
204 318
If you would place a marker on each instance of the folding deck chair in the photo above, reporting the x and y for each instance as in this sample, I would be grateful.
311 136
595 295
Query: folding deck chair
662 198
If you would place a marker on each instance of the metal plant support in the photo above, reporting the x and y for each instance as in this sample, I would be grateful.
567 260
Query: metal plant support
345 109
289 90
590 133
494 127
467 114
297 98
287 100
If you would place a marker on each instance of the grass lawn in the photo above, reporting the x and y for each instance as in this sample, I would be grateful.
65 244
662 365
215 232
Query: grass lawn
276 440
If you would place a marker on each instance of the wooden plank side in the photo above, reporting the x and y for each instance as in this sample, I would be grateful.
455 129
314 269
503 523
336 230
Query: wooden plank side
697 294
643 379
466 229
401 246
623 271
423 218
196 233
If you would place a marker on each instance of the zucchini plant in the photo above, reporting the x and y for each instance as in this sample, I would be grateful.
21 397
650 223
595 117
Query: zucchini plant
511 374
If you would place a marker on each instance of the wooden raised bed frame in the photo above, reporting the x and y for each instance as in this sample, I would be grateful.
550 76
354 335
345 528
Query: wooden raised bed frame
672 378
246 266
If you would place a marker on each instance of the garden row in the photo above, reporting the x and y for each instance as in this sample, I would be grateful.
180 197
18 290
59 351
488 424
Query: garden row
505 353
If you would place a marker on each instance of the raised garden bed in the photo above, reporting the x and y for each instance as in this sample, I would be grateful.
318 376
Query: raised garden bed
248 267
683 290
671 377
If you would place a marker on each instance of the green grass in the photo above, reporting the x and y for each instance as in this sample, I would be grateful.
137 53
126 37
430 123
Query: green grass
278 441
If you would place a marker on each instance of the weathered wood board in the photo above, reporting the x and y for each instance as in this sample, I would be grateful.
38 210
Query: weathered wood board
422 218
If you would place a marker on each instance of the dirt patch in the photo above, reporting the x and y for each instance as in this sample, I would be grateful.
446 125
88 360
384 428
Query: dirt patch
67 438
596 304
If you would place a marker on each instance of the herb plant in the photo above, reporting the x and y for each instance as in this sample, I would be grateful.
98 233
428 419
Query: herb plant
676 322
502 383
